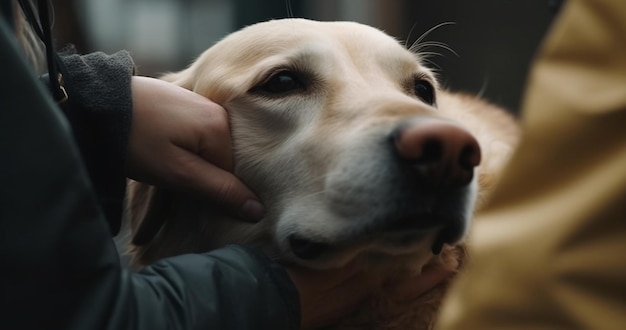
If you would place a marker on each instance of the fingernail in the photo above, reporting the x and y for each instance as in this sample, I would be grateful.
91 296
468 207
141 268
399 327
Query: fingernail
252 210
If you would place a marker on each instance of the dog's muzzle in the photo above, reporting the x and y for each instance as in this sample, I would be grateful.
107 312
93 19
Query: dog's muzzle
433 170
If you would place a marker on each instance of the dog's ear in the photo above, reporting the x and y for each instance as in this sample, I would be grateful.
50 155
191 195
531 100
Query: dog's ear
148 209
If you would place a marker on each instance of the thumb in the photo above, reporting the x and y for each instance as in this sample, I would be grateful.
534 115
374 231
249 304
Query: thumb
221 186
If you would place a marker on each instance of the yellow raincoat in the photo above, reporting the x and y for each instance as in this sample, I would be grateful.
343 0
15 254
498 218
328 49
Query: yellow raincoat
549 250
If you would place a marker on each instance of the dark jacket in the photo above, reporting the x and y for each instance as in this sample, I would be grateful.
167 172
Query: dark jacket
60 172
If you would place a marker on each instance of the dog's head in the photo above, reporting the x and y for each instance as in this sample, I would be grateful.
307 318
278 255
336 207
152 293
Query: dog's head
344 135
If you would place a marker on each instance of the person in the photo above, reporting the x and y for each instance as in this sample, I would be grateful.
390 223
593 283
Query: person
62 186
547 250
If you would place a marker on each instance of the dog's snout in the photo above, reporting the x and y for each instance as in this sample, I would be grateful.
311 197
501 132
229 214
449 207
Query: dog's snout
440 152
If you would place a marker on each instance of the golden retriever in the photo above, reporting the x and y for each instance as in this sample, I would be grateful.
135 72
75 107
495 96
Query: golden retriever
354 149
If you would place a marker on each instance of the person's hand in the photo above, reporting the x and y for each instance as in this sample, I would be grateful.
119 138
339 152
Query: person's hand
327 296
182 140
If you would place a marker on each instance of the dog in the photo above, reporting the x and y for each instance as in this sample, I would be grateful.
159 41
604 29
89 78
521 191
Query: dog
355 150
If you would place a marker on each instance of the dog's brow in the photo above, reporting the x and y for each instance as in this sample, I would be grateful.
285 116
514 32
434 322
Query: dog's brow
403 65
303 60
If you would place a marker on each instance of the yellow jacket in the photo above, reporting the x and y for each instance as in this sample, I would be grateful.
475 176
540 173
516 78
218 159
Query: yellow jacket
549 250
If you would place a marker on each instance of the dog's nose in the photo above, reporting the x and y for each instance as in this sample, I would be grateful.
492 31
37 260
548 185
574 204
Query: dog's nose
441 153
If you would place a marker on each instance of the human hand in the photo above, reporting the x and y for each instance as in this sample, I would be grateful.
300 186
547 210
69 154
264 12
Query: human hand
326 296
182 140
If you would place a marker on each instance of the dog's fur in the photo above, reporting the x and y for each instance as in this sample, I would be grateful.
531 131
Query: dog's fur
319 157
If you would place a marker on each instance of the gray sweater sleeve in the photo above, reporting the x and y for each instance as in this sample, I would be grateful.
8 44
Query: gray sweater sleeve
99 109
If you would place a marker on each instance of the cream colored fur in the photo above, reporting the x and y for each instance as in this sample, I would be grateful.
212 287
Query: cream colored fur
315 157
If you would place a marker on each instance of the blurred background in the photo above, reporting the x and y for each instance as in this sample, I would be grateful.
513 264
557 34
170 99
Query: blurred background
494 40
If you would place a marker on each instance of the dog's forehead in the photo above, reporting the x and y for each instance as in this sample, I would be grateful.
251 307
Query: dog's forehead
295 29
281 36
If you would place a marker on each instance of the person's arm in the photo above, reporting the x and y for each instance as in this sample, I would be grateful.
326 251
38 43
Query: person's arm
60 267
246 291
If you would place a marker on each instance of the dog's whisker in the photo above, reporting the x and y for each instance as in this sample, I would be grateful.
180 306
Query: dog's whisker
432 65
426 44
483 88
425 55
289 9
425 34
408 37
432 43
419 49
419 46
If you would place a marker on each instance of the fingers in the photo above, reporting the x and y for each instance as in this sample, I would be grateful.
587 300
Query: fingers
214 139
207 167
329 295
431 277
182 139
221 186
347 297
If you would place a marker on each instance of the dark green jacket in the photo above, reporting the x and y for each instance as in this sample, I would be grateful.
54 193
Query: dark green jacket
59 268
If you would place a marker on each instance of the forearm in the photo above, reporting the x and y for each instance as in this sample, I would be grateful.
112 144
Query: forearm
244 291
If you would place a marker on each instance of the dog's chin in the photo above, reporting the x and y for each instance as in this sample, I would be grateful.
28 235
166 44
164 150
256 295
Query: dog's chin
389 248
379 241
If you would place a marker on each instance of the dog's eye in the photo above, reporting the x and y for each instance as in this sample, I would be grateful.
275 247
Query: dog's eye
281 83
425 91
